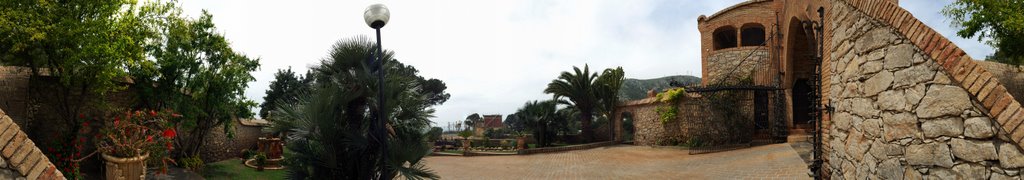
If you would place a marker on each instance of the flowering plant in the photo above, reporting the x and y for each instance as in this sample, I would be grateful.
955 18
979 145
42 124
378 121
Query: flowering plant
138 133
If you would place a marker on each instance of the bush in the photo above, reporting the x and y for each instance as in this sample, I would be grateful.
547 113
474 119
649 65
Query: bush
248 154
193 163
261 161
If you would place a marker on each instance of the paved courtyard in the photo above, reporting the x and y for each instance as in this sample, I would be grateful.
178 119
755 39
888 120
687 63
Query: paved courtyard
776 161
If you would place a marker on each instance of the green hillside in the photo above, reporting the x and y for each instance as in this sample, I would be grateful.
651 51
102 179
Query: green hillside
633 89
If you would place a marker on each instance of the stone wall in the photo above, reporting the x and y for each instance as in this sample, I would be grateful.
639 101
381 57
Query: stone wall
694 120
19 157
730 64
909 104
219 147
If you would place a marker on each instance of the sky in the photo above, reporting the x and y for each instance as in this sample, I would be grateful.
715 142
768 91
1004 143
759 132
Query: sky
493 55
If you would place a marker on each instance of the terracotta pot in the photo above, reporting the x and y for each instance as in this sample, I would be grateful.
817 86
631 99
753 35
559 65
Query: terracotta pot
125 168
520 143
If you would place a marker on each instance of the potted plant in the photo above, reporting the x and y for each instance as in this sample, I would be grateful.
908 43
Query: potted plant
465 139
127 140
520 140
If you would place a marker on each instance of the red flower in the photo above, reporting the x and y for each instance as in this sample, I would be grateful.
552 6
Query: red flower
81 116
152 113
169 133
176 115
149 138
169 146
117 120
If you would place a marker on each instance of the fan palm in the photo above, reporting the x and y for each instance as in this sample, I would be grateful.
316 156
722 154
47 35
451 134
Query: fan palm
329 132
539 117
587 92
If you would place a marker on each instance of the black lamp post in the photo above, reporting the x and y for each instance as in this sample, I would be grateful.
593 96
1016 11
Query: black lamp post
376 17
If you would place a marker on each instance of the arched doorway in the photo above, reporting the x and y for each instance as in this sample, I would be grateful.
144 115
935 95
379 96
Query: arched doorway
627 127
800 61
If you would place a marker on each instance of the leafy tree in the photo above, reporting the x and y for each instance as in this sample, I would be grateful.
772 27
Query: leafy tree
473 120
285 89
434 134
999 22
197 73
330 135
539 117
587 92
514 123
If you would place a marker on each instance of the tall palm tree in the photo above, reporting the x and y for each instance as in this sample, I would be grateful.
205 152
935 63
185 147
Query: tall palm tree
608 95
588 92
579 88
329 134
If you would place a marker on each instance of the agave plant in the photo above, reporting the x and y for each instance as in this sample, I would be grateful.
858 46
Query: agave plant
329 135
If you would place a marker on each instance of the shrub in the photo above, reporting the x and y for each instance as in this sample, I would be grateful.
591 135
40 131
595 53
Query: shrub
193 163
670 111
248 154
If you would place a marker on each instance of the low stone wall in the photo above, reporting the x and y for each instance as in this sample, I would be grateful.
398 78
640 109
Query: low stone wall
567 148
695 120
899 114
219 147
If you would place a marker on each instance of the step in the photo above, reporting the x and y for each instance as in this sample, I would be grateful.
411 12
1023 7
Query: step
798 138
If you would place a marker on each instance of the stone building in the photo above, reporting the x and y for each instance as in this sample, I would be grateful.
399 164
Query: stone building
898 100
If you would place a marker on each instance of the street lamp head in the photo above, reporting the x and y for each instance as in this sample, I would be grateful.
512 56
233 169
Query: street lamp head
376 15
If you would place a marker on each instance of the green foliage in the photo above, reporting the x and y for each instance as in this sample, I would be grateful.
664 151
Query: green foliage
473 120
540 118
193 163
588 92
465 134
669 111
197 73
248 154
329 128
285 89
635 89
434 134
999 22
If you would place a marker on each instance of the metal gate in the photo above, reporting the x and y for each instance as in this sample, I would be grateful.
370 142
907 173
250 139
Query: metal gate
732 117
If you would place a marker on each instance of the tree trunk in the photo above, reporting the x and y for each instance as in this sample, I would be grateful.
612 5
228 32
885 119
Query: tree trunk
585 118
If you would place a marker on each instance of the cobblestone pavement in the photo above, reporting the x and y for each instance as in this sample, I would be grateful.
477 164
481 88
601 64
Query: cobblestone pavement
776 161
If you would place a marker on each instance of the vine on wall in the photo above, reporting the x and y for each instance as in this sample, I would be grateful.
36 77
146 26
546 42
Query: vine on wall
670 110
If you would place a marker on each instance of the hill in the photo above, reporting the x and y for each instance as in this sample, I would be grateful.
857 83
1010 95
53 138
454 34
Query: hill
633 89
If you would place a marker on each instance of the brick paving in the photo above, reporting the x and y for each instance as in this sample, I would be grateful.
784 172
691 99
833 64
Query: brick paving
777 161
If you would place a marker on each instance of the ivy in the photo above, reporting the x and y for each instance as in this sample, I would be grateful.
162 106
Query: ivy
670 111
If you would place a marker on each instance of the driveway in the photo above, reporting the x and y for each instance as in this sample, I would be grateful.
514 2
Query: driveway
776 161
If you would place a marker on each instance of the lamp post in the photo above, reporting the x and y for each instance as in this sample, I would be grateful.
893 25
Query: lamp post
376 16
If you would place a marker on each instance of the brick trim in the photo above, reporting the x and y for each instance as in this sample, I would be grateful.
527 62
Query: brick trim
954 61
21 153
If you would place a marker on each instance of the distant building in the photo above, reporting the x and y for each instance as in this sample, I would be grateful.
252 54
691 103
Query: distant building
492 121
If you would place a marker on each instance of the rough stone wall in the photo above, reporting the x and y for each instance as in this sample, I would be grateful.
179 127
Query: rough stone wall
738 16
721 64
14 83
899 111
21 159
691 122
219 147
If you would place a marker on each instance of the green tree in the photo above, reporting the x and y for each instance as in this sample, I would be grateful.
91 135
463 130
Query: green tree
587 92
330 136
196 72
285 89
539 117
998 22
473 120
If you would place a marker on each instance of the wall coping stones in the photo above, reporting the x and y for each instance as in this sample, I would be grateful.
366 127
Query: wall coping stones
22 155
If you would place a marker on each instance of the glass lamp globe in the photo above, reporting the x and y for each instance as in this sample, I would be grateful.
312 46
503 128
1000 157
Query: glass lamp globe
376 15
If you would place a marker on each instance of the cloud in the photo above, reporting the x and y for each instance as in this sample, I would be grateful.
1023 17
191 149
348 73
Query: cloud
493 55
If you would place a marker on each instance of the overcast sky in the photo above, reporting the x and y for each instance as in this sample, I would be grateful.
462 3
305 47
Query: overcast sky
494 56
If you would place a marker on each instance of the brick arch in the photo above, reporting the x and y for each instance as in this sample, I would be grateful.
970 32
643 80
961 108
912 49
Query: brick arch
979 82
21 155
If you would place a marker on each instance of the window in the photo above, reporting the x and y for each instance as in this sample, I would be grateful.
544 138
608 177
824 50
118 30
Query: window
724 37
753 35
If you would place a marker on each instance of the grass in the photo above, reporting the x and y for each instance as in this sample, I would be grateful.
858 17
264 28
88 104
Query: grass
234 169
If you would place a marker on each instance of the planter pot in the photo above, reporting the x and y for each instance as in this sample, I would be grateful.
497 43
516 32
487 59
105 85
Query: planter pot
465 145
520 143
125 168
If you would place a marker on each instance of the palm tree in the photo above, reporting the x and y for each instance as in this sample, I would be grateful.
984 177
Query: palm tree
539 117
587 91
608 96
329 134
